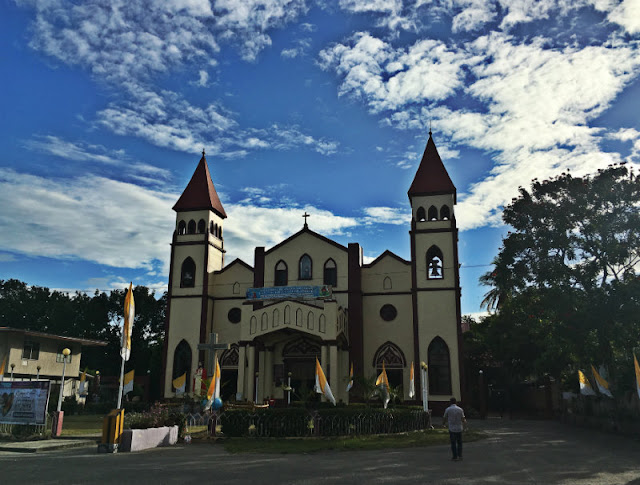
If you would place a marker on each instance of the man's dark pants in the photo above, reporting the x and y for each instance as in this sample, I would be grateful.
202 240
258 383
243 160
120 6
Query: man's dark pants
456 443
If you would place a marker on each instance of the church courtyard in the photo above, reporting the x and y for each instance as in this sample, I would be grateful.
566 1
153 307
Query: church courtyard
515 452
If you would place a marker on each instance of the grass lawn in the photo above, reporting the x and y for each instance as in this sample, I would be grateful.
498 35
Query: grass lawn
307 445
82 424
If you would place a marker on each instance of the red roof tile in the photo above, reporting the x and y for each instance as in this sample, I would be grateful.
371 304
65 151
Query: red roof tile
431 178
200 193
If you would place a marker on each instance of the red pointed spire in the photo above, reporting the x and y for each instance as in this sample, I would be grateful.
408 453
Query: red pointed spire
431 178
200 194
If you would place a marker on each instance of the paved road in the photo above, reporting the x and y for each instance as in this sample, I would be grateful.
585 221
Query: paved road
517 452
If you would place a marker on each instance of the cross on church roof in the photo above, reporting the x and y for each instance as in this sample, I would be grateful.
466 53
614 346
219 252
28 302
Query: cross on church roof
212 346
305 218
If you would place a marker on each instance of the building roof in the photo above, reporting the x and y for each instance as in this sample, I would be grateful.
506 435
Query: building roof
306 230
200 194
75 340
431 178
384 255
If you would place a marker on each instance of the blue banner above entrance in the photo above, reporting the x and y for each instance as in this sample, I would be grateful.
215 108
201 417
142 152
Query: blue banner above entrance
289 293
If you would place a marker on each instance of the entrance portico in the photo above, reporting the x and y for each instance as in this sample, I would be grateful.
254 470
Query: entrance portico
287 336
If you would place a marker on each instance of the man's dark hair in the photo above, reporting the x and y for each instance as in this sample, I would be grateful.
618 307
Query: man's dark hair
453 400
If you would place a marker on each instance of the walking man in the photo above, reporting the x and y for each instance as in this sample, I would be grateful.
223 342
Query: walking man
454 417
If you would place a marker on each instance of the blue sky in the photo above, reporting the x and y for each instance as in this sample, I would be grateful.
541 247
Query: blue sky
319 106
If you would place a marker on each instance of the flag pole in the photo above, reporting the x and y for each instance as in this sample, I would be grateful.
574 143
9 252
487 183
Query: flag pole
121 384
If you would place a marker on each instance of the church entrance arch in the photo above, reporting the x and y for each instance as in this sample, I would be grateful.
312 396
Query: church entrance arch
299 357
182 362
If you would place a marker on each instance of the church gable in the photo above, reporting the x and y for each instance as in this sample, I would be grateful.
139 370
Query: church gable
388 273
306 258
233 280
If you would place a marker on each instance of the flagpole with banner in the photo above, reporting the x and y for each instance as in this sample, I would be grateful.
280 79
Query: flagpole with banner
603 385
412 383
322 385
585 385
350 384
383 381
635 364
125 351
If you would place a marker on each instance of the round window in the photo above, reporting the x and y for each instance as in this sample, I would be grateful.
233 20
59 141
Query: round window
235 315
388 312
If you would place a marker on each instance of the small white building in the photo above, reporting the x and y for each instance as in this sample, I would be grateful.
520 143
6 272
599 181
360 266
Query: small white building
392 310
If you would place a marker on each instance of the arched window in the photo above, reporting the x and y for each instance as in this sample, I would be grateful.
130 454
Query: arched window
439 367
287 315
386 284
191 227
445 215
182 228
276 318
299 317
305 267
394 362
264 322
215 230
330 273
253 325
236 288
322 324
310 322
188 274
281 277
202 226
182 363
220 232
435 263
421 215
433 213
211 228
230 357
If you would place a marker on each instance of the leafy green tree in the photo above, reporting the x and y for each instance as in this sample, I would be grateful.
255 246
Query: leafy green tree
565 282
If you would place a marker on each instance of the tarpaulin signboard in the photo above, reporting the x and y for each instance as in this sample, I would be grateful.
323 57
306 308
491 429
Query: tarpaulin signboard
24 402
289 293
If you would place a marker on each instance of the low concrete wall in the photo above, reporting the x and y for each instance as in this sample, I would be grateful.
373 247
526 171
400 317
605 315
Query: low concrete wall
142 439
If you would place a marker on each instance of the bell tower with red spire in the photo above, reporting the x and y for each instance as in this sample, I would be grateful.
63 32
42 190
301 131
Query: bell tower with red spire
435 277
197 250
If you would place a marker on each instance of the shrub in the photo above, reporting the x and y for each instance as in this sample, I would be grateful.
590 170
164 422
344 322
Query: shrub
155 418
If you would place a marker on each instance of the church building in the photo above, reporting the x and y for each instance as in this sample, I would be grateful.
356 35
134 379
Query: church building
312 297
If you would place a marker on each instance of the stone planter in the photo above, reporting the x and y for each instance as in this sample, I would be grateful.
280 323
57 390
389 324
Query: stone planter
142 439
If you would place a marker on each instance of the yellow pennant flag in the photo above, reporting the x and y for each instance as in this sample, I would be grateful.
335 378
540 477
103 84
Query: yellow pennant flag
179 383
585 385
214 387
350 385
635 362
383 381
412 383
603 386
128 382
322 385
83 383
129 315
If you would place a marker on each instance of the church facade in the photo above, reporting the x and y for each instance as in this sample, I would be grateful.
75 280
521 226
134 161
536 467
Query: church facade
390 310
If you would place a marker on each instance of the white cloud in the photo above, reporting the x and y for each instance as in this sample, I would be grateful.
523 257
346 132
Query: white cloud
203 78
7 258
387 215
92 218
627 14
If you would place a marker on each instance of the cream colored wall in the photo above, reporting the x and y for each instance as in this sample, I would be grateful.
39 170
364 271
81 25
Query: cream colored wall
318 250
437 318
373 277
377 331
184 324
46 359
196 252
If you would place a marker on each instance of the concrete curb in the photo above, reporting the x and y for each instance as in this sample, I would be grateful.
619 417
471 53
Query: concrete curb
44 445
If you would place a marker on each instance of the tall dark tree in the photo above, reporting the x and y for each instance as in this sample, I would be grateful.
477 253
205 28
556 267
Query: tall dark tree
565 280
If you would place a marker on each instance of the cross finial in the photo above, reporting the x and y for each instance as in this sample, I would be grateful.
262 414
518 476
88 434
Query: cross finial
203 152
305 219
429 126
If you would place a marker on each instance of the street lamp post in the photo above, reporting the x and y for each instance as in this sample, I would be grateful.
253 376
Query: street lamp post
59 414
257 375
65 354
425 385
289 390
12 366
38 374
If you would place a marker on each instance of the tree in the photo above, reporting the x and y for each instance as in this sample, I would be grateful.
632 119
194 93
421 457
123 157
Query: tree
565 281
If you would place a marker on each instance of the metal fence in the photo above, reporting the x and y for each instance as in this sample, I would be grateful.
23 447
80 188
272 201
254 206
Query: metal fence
26 430
311 423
